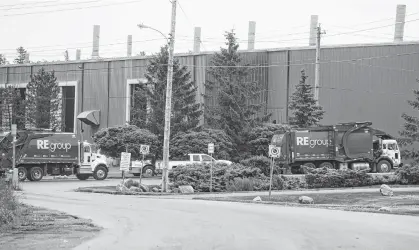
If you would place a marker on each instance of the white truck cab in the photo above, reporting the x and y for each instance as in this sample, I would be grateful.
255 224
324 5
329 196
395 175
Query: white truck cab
92 162
391 150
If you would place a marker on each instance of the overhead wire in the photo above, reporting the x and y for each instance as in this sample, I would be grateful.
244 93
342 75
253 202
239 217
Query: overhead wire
47 6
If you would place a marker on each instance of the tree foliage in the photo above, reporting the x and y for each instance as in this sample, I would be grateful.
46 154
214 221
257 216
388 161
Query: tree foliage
3 60
21 55
236 106
12 106
150 98
197 142
305 111
43 102
114 140
259 138
410 133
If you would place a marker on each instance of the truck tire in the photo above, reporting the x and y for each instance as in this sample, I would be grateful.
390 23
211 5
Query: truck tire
326 165
100 173
22 173
36 174
383 166
82 177
148 171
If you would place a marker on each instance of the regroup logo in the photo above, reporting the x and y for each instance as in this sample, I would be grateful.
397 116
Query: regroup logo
305 141
52 146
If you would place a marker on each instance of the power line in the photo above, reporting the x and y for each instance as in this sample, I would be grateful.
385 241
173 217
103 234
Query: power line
78 8
54 5
30 3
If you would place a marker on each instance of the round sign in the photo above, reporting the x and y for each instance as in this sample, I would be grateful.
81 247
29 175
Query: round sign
274 151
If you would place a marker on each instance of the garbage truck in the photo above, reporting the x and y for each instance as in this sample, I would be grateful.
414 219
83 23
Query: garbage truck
355 145
40 153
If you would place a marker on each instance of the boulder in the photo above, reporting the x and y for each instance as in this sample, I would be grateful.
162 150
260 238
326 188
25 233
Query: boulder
129 183
122 188
155 190
135 189
257 199
305 200
144 188
385 209
385 190
186 189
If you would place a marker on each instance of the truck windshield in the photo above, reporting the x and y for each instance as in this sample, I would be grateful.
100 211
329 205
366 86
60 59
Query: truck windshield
392 146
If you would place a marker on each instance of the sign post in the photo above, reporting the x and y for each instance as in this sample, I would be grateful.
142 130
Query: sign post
211 151
144 150
15 173
274 152
125 162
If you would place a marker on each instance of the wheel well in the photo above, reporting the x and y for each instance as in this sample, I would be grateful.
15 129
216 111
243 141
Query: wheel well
102 165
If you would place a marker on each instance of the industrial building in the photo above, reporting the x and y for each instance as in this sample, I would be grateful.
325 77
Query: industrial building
357 82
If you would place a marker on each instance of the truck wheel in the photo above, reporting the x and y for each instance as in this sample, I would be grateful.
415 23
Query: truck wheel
326 165
383 166
36 173
22 173
100 173
82 177
148 171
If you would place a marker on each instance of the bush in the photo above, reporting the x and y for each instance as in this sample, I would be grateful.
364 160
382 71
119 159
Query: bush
332 178
259 138
408 174
114 140
8 204
263 163
197 142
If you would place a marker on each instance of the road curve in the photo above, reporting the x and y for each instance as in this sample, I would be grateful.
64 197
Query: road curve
145 223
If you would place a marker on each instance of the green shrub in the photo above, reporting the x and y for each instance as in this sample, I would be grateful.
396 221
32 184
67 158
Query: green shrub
408 174
259 138
332 178
263 163
239 184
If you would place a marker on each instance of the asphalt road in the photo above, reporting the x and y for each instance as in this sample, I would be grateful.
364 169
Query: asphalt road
132 222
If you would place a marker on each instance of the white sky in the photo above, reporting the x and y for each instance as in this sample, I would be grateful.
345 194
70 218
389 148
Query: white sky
278 24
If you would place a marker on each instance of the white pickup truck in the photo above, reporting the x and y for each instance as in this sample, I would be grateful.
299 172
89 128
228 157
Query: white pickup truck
191 159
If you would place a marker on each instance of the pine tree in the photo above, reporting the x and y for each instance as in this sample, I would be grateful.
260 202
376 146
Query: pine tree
305 111
3 60
20 59
410 132
42 98
150 98
12 106
233 97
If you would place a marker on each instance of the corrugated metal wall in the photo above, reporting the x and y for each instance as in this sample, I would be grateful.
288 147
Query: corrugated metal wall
375 88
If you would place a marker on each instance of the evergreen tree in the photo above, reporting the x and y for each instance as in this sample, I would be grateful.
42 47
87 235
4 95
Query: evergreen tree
305 111
410 132
43 103
12 106
233 97
150 98
20 59
3 60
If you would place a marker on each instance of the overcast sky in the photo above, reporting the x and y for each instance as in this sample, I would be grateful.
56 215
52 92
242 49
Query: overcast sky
46 28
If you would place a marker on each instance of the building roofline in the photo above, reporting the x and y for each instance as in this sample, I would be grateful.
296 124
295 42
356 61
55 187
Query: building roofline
113 59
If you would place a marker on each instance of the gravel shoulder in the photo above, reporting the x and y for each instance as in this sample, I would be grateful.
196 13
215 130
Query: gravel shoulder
39 228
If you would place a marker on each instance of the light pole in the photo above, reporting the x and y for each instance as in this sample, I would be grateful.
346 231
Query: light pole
168 109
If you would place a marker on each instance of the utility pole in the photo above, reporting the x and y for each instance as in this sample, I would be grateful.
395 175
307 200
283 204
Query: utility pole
317 74
168 111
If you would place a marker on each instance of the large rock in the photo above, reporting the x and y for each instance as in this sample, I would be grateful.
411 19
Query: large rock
136 189
155 190
129 183
257 199
305 200
186 189
386 190
144 188
122 188
385 209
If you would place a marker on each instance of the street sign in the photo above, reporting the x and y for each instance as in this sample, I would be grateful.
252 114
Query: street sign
14 128
211 148
144 149
274 151
125 161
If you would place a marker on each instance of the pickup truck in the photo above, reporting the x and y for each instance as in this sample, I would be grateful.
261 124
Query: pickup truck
157 167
